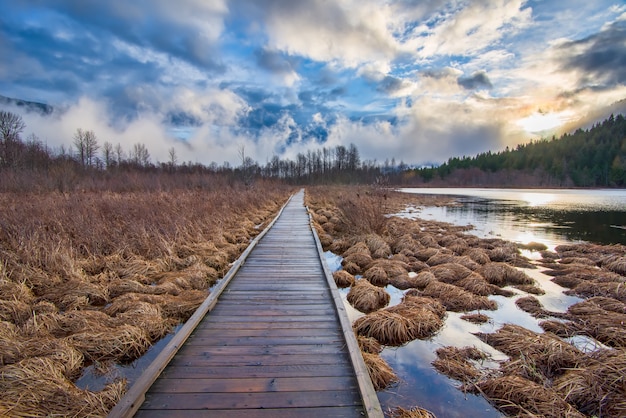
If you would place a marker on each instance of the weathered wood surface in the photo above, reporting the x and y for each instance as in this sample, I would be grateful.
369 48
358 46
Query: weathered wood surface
276 343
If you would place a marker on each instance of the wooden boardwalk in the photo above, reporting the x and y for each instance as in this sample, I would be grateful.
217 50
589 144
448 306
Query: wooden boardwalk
276 342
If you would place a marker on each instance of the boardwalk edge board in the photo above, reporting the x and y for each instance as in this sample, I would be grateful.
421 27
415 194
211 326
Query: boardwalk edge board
371 404
132 401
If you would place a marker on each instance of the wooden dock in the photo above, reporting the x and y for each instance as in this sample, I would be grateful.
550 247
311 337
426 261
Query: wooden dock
275 341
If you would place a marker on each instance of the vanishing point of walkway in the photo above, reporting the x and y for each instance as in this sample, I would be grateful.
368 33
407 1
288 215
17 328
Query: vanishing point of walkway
276 342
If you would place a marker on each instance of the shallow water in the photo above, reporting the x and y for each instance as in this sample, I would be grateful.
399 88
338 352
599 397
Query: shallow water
551 217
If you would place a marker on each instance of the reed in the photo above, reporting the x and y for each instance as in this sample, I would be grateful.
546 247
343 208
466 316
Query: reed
366 297
381 374
343 279
415 412
456 299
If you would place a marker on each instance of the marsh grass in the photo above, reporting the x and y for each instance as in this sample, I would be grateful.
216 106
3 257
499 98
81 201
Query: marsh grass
96 277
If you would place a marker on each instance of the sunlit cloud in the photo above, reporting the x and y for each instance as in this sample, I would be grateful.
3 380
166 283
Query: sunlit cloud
414 81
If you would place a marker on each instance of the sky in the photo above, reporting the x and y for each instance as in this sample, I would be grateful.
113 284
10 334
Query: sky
415 80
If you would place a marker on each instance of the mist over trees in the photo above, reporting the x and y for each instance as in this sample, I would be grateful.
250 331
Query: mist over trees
585 158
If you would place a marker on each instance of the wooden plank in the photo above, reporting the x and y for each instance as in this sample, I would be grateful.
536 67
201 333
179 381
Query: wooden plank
270 332
335 412
252 350
259 360
289 370
208 401
258 384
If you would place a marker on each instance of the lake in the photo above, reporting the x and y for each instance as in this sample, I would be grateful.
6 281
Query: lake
552 217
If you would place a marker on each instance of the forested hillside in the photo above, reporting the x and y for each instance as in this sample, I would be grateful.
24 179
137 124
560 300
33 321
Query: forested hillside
586 158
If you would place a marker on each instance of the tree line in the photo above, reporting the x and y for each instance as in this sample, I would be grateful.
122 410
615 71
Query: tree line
595 157
585 158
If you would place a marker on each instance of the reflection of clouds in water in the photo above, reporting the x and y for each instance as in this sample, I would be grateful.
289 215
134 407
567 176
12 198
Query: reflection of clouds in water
554 299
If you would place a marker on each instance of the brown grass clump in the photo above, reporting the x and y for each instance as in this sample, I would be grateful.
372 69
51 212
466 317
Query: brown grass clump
530 288
381 374
450 272
38 387
502 274
440 258
567 281
431 304
359 247
369 344
406 243
454 363
415 412
366 297
422 279
476 284
424 254
343 279
531 305
397 325
590 289
456 299
516 396
378 246
592 318
536 356
476 318
125 342
599 388
616 265
478 255
362 260
377 276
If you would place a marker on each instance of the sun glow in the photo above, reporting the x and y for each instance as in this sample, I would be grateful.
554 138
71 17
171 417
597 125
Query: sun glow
539 122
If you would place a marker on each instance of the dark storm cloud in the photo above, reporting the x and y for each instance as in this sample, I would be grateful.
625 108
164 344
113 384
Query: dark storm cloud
274 61
390 84
601 57
476 81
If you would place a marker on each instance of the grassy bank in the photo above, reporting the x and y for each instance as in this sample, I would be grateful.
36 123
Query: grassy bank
442 268
95 277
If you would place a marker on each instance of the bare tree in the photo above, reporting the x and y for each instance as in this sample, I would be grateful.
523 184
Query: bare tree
11 126
140 155
107 153
91 147
173 158
119 153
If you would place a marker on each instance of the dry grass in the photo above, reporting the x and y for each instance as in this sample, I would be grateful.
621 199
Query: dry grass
600 318
612 290
455 363
343 279
369 345
456 299
599 388
450 272
476 318
535 356
516 396
502 274
381 374
100 276
531 305
366 297
415 412
413 318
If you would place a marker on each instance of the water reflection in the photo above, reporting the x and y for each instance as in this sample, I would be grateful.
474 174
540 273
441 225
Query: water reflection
549 216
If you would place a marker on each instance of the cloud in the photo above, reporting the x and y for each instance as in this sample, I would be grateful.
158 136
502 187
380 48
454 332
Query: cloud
278 64
476 81
599 59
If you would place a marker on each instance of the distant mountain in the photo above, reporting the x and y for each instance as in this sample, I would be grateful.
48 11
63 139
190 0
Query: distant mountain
595 157
42 108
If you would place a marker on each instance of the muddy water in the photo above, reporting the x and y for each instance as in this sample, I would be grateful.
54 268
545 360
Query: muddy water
551 217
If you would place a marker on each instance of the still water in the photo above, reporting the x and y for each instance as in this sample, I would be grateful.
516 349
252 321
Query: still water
551 217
